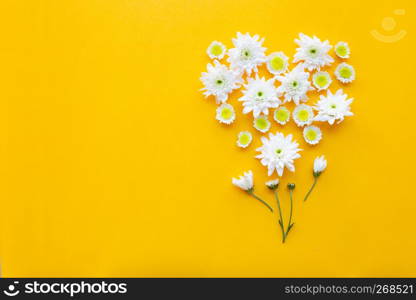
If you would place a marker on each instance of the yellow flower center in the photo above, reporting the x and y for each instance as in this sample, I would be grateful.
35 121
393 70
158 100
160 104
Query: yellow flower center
262 123
345 72
226 114
321 80
216 50
282 115
277 63
303 115
244 139
341 51
311 135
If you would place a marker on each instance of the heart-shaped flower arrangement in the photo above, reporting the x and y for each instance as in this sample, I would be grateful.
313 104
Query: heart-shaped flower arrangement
261 95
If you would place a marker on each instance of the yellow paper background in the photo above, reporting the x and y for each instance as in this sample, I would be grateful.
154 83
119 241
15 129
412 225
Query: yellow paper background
112 163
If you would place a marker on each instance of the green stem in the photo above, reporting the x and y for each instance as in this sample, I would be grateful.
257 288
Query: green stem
261 200
281 217
289 225
315 180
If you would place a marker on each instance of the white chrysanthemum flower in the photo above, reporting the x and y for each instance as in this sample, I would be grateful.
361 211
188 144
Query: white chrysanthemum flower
248 53
259 95
244 139
312 52
294 85
303 115
342 50
321 80
244 182
312 135
272 184
262 124
345 73
216 50
319 165
281 115
277 63
333 107
278 152
225 113
219 81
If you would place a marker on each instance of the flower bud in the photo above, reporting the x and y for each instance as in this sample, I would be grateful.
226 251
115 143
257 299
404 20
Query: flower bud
272 184
291 186
316 174
245 182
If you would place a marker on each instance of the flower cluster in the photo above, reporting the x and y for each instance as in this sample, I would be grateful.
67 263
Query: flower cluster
283 84
272 83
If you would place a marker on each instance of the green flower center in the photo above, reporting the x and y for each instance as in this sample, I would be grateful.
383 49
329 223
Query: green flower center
333 106
226 114
341 51
277 63
246 54
303 115
321 80
260 94
345 72
311 135
313 52
244 139
216 50
295 83
219 81
278 151
282 115
262 124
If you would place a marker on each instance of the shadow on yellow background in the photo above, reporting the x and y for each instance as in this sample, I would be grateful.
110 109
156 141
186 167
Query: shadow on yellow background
112 163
